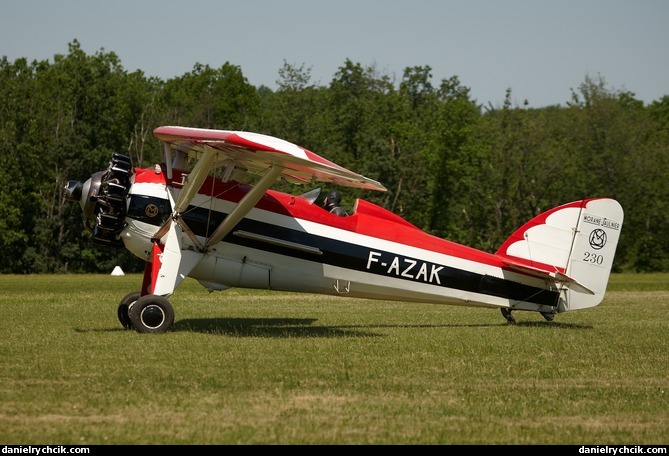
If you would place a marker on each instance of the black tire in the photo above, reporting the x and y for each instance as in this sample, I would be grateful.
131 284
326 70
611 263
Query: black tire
151 314
124 309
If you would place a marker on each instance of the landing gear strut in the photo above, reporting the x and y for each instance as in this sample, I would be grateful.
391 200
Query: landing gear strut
506 313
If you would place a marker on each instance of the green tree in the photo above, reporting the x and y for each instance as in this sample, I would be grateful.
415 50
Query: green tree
452 165
88 116
521 165
17 202
359 125
67 119
621 155
211 98
454 171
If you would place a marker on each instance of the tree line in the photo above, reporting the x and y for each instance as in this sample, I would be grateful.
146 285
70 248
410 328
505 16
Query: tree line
457 169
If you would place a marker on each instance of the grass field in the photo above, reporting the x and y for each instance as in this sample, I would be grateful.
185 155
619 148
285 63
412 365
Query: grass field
256 367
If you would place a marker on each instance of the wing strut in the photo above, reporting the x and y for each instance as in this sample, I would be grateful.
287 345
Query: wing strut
198 174
194 181
244 206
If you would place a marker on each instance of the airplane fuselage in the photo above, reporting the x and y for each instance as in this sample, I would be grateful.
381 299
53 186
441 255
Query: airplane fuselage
290 243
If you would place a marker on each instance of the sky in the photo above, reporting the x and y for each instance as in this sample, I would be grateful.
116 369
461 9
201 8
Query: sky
541 50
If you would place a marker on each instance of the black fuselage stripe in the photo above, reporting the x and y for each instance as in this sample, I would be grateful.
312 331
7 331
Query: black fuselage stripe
356 257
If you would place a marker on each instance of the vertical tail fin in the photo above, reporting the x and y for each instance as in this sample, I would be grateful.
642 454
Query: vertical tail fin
595 243
573 244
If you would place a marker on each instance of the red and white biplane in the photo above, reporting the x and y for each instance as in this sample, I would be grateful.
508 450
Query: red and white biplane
192 216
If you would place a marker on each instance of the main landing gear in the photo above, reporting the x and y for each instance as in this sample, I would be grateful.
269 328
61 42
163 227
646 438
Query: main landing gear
145 314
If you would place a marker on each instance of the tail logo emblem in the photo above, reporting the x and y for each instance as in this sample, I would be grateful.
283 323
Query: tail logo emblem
597 239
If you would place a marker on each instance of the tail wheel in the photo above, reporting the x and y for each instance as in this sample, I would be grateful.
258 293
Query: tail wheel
506 313
151 314
124 309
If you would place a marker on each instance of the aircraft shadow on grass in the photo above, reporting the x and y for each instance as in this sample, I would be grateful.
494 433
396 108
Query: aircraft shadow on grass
304 327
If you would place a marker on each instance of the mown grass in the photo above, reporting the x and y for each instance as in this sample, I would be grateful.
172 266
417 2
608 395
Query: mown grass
258 367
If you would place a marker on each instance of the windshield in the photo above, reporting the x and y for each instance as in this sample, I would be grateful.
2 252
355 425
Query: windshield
311 195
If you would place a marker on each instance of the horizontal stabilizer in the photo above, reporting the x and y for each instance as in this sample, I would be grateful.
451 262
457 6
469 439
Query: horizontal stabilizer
557 277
